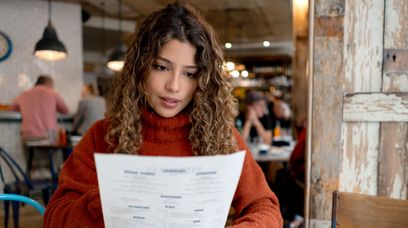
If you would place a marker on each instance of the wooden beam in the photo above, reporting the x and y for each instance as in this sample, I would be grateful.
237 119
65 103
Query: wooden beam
376 107
362 72
325 141
392 160
329 26
393 153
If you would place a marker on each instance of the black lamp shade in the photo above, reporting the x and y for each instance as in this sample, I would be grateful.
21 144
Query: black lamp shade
118 53
49 47
116 58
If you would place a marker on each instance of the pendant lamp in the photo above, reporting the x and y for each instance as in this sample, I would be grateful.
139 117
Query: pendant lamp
116 58
49 47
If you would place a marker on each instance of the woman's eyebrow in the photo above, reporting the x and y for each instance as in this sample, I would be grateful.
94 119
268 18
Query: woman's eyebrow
171 63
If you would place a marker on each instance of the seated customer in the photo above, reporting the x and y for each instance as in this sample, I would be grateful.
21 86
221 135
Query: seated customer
280 115
90 109
256 120
39 107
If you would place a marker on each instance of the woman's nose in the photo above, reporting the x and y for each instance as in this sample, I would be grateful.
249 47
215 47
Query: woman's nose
173 83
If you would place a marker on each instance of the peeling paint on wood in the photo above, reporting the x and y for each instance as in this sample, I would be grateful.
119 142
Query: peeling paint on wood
360 156
396 24
363 45
393 153
329 8
395 82
329 26
363 70
376 107
393 158
326 121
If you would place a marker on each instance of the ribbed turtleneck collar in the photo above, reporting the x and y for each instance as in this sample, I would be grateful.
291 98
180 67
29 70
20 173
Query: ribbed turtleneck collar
163 130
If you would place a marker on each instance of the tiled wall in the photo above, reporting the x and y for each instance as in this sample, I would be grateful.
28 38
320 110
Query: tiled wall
24 22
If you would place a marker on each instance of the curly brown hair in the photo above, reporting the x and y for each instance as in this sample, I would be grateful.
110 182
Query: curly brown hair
213 108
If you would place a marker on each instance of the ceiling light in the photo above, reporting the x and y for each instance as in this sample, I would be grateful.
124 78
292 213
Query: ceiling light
230 65
116 59
49 47
244 73
234 74
228 45
266 43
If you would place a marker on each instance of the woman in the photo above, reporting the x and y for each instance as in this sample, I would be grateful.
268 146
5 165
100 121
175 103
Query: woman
171 99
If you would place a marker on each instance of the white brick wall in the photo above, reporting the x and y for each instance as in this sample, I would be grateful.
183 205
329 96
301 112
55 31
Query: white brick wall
24 22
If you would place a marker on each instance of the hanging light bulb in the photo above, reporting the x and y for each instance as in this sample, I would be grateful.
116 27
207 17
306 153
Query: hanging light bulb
230 65
244 73
49 47
234 74
116 58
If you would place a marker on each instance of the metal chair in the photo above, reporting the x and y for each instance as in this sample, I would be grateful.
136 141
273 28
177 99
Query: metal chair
17 199
21 185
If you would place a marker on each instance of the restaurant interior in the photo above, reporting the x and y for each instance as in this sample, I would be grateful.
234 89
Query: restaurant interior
293 58
256 38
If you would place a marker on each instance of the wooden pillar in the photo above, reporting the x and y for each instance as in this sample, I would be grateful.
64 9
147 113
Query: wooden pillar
325 153
392 180
299 62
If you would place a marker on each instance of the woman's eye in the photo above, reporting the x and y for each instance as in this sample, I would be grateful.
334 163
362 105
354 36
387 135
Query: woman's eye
160 67
190 74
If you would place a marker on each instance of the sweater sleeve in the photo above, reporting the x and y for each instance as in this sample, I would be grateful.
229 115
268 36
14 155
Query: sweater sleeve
255 204
76 202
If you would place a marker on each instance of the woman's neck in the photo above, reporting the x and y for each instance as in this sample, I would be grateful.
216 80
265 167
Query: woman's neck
159 129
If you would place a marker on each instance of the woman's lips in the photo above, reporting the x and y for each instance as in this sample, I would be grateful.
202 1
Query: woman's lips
169 102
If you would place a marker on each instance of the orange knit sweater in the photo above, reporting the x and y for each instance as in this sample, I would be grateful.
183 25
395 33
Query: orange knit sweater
76 202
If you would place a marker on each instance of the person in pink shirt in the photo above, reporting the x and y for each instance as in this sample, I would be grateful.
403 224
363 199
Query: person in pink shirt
39 107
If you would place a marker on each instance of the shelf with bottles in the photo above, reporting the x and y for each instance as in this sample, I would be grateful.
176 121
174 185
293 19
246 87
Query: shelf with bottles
277 81
272 70
267 67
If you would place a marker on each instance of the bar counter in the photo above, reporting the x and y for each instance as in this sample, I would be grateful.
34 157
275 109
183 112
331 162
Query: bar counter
10 140
11 116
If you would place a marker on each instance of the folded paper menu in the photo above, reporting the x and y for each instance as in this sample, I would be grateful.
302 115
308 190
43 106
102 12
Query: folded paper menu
151 191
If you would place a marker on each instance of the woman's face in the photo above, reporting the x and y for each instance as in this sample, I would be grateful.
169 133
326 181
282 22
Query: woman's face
172 81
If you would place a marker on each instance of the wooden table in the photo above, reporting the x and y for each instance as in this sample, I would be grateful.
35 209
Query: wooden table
271 155
278 154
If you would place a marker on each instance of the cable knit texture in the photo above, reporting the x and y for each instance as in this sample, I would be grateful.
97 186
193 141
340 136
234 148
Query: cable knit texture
76 203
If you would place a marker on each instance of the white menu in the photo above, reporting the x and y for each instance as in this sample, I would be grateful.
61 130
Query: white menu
170 192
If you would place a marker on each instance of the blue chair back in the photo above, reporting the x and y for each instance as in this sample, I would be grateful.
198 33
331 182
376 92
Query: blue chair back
16 170
21 185
23 199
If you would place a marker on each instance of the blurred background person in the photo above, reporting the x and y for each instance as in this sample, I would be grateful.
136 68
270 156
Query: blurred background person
282 114
256 120
290 180
279 114
90 109
39 107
